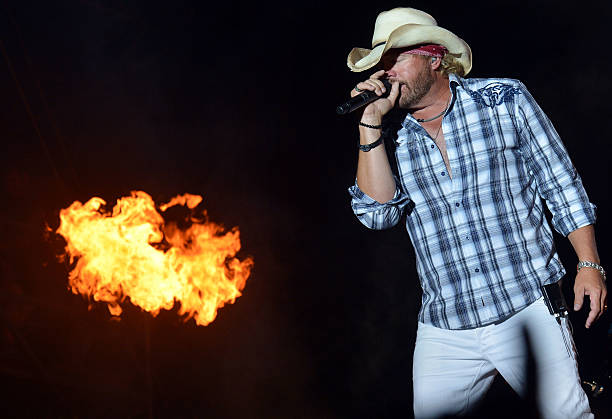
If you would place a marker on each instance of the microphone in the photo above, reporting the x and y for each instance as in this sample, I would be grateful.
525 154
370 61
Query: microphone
362 99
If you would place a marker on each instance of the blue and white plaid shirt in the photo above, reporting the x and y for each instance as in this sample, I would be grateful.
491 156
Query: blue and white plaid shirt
482 242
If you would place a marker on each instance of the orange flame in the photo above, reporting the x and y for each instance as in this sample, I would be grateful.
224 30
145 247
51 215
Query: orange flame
124 255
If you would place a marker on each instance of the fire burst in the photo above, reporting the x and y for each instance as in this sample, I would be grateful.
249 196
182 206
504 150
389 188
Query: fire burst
133 254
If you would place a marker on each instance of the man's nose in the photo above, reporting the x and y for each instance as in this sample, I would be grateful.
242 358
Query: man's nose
390 74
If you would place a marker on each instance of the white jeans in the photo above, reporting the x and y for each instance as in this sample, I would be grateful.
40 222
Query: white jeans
453 369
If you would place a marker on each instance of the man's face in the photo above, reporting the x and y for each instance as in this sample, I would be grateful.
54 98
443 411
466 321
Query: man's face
413 72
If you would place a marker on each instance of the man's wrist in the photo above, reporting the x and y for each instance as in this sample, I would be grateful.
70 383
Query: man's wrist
593 265
371 118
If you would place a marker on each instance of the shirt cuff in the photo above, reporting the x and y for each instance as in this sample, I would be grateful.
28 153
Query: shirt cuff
376 215
362 199
577 217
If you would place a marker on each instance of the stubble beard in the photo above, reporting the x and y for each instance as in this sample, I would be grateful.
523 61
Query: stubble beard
413 93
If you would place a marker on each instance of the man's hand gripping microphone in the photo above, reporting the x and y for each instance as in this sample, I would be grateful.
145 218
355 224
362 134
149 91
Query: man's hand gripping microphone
362 99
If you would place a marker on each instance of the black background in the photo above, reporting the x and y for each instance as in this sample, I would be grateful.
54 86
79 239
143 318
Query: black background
235 101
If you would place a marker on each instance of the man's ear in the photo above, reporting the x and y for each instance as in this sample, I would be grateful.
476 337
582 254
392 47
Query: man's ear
435 63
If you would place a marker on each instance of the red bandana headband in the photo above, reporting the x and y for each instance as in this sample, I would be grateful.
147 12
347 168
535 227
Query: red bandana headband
432 50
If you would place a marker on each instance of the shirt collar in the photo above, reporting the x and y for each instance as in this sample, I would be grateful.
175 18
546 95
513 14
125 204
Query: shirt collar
455 80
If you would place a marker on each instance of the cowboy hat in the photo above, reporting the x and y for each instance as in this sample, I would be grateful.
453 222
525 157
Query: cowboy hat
404 27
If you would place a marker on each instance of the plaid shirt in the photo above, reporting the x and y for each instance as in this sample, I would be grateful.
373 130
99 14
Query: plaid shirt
482 243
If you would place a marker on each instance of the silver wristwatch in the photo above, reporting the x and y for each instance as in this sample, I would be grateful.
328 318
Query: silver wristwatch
588 264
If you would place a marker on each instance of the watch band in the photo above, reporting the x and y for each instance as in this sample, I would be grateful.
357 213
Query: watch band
586 263
368 147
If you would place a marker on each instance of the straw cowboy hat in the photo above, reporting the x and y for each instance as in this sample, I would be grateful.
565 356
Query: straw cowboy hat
404 27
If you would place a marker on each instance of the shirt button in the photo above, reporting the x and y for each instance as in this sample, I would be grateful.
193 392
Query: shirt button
443 174
467 237
457 204
476 270
432 146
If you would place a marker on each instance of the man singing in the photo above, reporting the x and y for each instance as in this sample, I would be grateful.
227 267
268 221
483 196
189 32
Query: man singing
475 158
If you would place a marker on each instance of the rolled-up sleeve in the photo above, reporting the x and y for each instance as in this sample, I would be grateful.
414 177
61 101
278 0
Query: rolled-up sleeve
547 159
375 215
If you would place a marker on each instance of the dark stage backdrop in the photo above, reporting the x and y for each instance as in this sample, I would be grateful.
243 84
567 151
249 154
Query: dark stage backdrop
235 101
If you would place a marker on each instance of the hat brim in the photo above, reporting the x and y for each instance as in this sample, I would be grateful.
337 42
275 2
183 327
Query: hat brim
360 59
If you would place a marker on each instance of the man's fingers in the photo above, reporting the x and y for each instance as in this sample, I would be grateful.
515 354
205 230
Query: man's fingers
375 81
591 284
372 84
602 300
361 87
595 310
379 87
578 297
394 92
